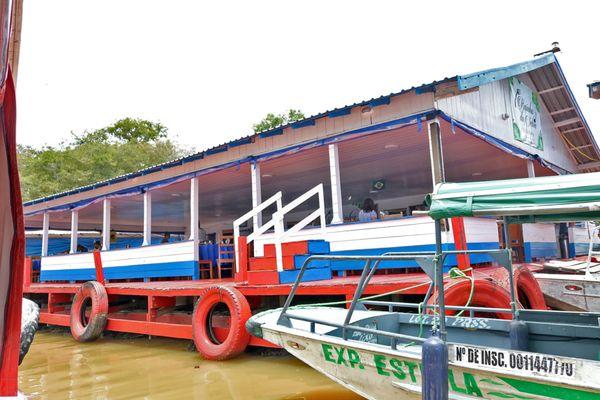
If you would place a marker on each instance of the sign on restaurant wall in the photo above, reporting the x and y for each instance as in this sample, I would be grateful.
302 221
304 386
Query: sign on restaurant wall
526 120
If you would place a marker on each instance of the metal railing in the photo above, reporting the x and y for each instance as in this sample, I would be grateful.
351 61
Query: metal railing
275 199
429 262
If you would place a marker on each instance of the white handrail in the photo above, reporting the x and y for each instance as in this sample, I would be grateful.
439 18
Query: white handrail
276 198
278 216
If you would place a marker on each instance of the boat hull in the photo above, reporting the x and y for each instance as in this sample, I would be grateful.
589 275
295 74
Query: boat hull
379 372
570 292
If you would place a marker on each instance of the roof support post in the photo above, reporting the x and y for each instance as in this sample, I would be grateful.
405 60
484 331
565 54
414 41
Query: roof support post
435 152
74 226
336 186
147 218
194 204
256 194
45 229
530 169
106 224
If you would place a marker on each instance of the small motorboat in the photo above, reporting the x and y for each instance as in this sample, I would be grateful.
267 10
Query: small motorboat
573 285
380 350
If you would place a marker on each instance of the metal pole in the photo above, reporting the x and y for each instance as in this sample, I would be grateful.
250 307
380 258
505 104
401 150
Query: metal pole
434 351
439 277
359 289
511 280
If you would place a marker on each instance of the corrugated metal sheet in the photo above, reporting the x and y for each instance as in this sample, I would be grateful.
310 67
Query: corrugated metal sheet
548 79
374 102
568 119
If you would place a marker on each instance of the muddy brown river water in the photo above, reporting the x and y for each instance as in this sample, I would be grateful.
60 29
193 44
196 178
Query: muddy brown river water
57 367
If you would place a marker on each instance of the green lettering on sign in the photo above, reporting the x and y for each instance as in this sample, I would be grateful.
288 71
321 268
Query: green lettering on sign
453 386
340 355
327 352
397 368
354 358
379 361
411 370
471 385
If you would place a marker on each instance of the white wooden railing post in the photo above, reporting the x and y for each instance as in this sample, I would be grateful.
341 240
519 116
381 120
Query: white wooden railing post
45 229
322 208
256 194
74 226
106 225
147 218
279 230
194 205
336 185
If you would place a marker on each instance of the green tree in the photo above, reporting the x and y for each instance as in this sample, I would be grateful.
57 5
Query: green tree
274 120
126 146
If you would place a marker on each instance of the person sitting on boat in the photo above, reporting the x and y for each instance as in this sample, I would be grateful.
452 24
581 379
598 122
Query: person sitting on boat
97 245
166 238
369 211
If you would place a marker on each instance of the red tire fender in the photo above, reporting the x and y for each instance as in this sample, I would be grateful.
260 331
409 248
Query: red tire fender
485 294
86 328
529 293
237 338
529 287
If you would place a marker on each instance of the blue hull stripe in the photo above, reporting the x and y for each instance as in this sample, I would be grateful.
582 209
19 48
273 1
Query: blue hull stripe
338 265
159 270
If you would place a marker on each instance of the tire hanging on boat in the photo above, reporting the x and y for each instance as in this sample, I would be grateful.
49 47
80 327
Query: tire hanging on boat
205 339
485 294
529 293
88 327
528 289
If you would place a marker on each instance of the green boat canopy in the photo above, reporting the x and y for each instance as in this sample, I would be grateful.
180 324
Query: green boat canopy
554 198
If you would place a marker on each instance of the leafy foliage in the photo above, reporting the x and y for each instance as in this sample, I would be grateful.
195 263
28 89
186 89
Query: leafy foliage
274 120
126 146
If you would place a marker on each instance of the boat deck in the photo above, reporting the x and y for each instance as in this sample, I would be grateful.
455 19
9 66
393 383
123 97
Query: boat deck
334 286
160 295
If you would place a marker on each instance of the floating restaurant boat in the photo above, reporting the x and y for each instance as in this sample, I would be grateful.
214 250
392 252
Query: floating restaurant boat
475 352
236 222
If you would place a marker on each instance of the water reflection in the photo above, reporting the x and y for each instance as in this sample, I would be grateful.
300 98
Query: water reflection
57 367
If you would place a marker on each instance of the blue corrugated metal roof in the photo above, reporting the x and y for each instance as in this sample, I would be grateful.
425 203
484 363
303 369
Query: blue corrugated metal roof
464 82
337 112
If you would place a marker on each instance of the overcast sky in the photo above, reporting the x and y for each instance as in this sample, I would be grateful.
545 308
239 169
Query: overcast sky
209 70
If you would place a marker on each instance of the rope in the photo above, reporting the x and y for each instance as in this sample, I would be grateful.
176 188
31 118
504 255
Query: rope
336 303
573 147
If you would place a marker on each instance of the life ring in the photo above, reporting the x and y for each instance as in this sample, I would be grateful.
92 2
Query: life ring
88 327
219 346
485 294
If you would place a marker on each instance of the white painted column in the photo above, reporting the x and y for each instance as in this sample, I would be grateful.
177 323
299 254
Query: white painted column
530 169
106 224
147 218
336 186
45 229
256 194
194 204
74 226
435 152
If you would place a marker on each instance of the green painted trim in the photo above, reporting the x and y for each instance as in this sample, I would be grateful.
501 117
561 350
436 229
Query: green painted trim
554 392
